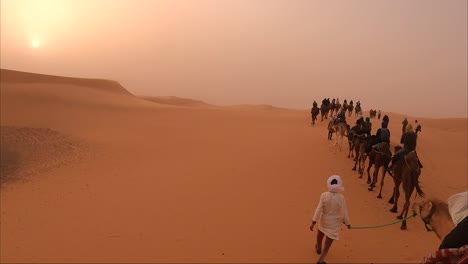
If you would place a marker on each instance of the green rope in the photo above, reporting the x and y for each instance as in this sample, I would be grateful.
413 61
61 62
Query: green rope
392 223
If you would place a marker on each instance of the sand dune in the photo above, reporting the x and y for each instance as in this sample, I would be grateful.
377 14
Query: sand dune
174 100
250 107
141 181
10 76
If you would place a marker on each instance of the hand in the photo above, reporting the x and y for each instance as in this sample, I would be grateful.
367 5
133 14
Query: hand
312 227
349 226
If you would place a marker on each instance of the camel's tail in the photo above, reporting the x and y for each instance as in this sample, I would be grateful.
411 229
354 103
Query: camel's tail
418 188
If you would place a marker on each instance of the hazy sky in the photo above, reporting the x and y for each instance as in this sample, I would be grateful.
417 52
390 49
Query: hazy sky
395 55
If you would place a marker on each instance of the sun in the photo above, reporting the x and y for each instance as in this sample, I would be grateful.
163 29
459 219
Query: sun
35 43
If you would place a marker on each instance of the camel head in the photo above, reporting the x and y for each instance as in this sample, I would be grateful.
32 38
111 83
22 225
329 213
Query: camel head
426 210
435 215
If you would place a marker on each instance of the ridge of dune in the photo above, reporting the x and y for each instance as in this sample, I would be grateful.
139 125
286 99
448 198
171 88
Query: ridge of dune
174 100
13 76
258 107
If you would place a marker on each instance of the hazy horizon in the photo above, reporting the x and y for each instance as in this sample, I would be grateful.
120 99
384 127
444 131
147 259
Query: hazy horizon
398 56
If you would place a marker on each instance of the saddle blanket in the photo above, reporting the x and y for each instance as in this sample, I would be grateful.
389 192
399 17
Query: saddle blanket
447 256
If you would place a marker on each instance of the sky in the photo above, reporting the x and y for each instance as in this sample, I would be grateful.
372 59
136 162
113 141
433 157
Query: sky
395 55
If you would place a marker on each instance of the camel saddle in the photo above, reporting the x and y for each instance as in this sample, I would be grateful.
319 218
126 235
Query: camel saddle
383 148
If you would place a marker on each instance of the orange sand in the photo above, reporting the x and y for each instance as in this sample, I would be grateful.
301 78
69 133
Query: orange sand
92 173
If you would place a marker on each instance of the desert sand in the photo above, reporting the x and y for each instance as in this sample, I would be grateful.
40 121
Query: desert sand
93 173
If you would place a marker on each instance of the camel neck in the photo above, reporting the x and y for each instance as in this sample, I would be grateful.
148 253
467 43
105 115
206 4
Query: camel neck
442 224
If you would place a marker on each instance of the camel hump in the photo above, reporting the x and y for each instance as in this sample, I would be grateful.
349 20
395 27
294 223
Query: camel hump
412 155
383 147
413 161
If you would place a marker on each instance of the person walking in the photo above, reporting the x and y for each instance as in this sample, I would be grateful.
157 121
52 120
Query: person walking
332 212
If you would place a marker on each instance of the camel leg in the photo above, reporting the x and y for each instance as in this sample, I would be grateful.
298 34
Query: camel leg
363 163
395 198
360 167
368 172
392 199
376 175
406 208
355 163
382 182
340 140
404 214
374 178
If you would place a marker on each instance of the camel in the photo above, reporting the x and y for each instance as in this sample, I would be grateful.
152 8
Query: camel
337 107
331 108
436 214
342 130
350 110
351 142
406 172
378 157
357 110
331 129
314 112
361 155
323 112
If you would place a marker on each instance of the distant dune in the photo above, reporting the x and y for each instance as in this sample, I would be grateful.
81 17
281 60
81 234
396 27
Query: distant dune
91 173
248 107
10 76
176 101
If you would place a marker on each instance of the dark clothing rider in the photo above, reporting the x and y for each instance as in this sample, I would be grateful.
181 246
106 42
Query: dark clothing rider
341 117
381 132
367 127
408 139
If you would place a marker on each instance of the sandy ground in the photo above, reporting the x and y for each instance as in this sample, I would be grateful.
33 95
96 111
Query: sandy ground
91 173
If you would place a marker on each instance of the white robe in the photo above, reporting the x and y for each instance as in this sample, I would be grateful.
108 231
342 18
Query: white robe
333 213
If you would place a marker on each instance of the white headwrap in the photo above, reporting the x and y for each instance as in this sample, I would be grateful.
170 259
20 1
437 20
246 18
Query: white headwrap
335 187
458 206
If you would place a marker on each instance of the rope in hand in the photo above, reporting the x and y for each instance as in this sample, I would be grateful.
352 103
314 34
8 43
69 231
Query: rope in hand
392 223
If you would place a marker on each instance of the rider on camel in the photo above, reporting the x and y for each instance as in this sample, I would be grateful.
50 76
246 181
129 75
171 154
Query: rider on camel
367 127
341 117
408 140
382 135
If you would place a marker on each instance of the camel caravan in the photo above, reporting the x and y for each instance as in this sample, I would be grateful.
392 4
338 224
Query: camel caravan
447 220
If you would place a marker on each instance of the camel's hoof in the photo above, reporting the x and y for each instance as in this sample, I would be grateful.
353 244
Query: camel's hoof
353 169
370 189
403 227
360 177
399 217
369 182
380 196
393 210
